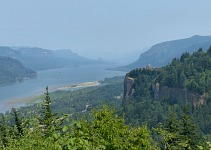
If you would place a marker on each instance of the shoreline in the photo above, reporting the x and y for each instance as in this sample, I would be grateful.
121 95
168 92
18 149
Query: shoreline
20 102
78 85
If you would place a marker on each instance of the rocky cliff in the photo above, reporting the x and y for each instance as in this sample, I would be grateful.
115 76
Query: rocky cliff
184 80
171 95
128 87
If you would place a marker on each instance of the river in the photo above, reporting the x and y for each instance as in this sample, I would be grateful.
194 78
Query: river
52 78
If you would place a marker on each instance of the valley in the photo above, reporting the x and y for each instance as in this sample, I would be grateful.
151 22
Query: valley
146 95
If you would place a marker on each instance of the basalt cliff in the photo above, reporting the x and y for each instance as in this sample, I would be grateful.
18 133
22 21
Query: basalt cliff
184 80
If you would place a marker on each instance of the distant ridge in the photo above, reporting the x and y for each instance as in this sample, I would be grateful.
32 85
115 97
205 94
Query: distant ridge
162 53
12 70
42 59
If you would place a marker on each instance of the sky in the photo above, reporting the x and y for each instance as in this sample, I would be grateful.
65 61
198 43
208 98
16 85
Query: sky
101 28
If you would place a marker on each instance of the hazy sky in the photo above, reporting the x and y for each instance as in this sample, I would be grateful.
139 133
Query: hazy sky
101 28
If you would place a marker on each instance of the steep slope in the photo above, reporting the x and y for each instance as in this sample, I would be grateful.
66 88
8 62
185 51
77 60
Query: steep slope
12 70
151 93
161 54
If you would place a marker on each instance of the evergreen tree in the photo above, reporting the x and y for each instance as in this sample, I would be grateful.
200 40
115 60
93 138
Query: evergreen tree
48 121
169 134
47 116
3 131
209 51
17 122
173 127
189 135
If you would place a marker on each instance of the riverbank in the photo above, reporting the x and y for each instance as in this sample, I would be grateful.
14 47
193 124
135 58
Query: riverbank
77 86
19 102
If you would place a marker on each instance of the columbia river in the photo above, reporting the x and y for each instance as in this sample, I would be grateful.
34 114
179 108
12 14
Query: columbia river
52 78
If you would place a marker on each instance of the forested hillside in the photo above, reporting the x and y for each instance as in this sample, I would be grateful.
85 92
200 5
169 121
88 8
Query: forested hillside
161 54
12 70
100 129
151 93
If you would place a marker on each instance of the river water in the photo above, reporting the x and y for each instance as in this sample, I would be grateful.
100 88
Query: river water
52 78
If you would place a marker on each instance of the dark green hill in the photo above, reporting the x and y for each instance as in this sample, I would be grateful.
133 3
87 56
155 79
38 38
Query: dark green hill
161 54
12 70
150 93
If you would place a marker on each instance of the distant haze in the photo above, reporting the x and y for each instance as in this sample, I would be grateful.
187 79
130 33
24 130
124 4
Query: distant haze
105 29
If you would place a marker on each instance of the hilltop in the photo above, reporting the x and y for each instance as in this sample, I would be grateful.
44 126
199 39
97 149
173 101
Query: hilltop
161 54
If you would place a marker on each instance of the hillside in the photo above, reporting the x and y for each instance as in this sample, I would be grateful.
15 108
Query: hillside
42 59
39 127
12 70
153 92
161 54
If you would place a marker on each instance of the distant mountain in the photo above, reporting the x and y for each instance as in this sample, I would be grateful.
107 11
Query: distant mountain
9 52
42 59
161 54
12 70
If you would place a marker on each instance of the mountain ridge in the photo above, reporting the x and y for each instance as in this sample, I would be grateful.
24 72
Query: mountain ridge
42 59
162 53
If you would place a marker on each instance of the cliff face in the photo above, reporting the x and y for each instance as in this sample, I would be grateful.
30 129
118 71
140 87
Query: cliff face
173 95
128 87
164 93
184 80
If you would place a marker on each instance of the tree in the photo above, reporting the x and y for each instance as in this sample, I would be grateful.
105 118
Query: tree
108 131
189 135
47 120
170 132
209 51
3 131
18 124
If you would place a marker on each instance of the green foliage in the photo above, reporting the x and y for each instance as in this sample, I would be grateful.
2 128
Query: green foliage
48 120
104 130
179 133
74 102
17 122
189 133
184 81
190 71
3 131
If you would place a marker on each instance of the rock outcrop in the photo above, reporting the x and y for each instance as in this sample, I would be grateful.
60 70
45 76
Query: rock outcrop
173 95
128 87
164 93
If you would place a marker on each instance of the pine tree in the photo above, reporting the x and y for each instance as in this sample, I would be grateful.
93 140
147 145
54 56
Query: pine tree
173 127
170 133
46 119
209 51
3 131
18 122
49 121
189 135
